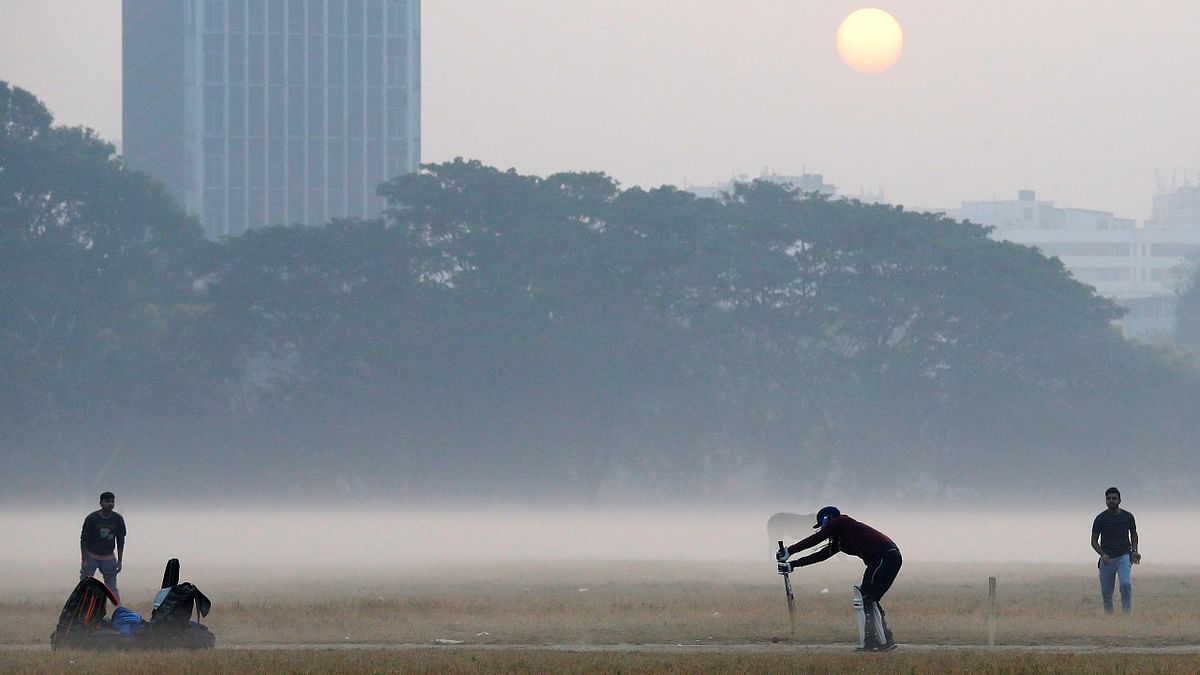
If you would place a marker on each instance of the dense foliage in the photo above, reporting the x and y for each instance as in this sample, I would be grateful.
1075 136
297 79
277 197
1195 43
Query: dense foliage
501 334
99 331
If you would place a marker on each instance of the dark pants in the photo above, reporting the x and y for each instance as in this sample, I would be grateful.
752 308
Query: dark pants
877 579
881 572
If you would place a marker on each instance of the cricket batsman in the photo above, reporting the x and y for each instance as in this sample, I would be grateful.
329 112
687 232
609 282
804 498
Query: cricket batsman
877 550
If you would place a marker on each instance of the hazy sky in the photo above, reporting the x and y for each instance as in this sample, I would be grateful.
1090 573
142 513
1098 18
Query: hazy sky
1093 103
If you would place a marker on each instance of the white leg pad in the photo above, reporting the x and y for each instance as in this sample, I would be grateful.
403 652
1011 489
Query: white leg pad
875 618
860 616
869 620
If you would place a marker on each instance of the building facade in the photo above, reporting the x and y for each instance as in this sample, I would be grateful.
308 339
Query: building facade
1138 267
264 112
1178 209
805 182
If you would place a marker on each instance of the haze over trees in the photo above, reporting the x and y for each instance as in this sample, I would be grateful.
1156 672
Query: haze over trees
498 335
1187 327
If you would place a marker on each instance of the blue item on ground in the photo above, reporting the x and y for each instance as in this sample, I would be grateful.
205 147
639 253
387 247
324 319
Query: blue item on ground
126 621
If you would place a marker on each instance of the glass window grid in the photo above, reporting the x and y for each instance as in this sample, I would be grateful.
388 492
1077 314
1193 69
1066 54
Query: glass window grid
341 173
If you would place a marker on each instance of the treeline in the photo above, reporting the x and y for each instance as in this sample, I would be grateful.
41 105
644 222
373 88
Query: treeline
502 335
1187 310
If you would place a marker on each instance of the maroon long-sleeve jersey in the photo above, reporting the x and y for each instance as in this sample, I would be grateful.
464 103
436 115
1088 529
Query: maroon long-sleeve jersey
845 535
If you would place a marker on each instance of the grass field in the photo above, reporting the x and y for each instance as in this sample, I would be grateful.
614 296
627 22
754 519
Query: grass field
574 606
530 661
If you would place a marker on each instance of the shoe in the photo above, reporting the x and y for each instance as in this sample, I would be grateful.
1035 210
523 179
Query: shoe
876 647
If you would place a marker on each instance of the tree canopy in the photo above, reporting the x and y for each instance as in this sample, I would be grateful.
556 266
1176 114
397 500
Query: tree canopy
97 325
496 330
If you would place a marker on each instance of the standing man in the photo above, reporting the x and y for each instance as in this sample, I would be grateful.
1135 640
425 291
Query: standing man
1114 537
877 550
103 533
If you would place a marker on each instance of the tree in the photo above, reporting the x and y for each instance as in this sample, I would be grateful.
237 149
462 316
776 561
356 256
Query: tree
93 275
497 330
1187 308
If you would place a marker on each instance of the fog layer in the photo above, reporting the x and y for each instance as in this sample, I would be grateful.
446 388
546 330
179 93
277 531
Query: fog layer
382 542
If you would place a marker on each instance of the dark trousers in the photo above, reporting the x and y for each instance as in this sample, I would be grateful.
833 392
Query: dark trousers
881 572
877 579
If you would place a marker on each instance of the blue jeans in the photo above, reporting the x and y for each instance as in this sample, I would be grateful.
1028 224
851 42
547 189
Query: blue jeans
1115 568
108 568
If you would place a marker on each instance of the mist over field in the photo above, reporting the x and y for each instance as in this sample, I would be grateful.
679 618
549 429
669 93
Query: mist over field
475 408
484 577
255 549
511 367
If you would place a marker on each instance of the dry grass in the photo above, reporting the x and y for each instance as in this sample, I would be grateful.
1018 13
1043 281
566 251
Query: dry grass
526 661
649 603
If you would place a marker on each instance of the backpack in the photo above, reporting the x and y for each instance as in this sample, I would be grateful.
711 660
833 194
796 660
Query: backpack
83 614
176 608
171 625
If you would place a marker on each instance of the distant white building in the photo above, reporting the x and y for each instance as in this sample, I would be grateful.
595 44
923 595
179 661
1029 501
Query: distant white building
806 182
1176 210
1138 267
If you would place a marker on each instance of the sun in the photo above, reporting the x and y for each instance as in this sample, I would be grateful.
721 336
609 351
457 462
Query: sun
870 40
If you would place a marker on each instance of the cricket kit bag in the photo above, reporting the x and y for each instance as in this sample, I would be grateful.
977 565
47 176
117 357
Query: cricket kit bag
81 623
171 573
171 625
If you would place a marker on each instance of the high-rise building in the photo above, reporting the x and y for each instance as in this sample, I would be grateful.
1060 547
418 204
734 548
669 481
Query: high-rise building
262 112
